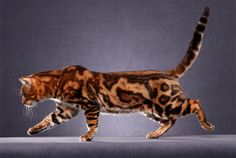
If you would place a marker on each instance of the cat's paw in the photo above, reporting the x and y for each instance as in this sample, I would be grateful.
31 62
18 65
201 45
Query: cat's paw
31 132
152 135
85 138
210 127
34 130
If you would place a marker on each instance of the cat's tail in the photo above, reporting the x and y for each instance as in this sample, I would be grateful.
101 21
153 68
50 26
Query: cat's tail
194 47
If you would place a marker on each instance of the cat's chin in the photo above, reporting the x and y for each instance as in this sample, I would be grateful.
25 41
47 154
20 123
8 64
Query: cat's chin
32 105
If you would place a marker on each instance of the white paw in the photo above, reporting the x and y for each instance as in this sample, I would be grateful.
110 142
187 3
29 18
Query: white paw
84 138
211 127
151 135
29 132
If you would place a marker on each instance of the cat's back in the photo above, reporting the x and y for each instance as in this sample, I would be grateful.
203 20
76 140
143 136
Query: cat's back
139 76
137 81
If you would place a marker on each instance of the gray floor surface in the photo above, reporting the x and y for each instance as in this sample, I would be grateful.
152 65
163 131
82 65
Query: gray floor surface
180 146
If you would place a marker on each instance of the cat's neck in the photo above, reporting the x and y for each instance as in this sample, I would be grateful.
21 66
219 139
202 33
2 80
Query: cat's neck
50 87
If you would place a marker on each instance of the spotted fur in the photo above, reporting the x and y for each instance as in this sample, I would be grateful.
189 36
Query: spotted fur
157 94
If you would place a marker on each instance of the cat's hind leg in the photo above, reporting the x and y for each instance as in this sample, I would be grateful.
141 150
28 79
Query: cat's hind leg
165 126
193 106
60 115
92 116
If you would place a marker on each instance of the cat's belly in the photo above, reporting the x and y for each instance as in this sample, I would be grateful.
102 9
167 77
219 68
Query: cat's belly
120 109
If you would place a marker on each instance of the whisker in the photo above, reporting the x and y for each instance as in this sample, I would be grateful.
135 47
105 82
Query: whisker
28 112
31 113
23 110
34 112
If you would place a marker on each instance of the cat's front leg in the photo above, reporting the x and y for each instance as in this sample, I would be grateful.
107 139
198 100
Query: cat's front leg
92 115
165 126
60 115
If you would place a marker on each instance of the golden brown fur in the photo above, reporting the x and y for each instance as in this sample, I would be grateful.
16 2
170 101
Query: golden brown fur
157 94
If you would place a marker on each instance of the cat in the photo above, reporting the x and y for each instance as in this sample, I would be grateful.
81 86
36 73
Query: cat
157 94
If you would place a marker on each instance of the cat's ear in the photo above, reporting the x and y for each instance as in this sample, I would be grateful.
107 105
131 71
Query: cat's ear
25 81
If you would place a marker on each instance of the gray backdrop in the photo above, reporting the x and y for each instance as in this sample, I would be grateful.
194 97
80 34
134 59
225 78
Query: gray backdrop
118 35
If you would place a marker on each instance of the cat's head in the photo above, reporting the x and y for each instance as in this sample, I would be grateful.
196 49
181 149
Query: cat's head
32 90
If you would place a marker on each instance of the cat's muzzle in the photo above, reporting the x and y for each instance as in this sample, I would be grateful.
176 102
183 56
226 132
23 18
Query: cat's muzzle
31 104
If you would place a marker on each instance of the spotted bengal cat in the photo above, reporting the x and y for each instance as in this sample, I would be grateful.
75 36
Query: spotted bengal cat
157 94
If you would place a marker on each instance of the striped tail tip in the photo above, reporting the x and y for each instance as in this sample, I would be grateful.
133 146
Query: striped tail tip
194 46
206 12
